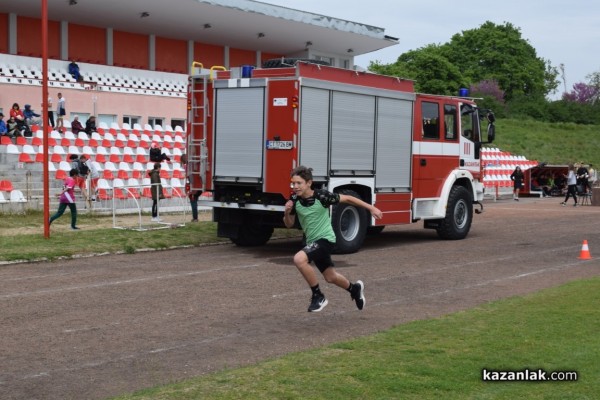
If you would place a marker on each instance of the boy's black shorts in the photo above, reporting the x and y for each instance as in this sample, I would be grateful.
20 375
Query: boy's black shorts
320 253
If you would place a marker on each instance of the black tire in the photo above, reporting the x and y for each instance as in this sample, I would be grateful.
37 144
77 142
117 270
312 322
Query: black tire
253 235
349 224
289 62
459 215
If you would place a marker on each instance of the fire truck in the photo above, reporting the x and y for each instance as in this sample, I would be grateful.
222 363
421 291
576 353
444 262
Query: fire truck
414 156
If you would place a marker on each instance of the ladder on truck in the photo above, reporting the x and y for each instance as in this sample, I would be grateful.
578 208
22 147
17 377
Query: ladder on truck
196 137
197 152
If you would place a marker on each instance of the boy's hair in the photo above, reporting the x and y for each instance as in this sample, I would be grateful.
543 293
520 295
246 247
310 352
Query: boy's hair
73 172
303 172
157 165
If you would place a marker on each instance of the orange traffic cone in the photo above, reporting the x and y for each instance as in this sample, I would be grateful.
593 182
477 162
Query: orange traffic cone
585 252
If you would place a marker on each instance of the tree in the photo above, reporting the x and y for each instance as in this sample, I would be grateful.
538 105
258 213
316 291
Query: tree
492 95
428 67
499 52
490 52
582 93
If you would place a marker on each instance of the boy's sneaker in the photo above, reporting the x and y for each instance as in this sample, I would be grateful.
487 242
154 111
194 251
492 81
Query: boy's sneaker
75 228
563 204
358 294
317 303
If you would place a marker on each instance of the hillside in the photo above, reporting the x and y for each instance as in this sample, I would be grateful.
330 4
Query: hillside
554 143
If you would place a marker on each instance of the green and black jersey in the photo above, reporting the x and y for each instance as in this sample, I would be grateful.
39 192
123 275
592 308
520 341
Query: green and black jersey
313 214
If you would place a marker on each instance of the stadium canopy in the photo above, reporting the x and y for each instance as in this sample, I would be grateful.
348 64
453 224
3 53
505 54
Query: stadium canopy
241 24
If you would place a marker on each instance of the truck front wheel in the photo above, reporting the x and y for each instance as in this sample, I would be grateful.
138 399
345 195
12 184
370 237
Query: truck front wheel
252 235
349 224
459 215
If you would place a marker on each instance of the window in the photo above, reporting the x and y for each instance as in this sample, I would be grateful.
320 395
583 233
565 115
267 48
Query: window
178 122
131 120
108 119
431 116
469 123
153 121
450 127
82 116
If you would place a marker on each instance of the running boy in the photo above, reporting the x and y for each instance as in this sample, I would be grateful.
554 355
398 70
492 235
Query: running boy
312 208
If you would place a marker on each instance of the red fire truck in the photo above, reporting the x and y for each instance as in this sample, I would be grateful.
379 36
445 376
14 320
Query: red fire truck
414 156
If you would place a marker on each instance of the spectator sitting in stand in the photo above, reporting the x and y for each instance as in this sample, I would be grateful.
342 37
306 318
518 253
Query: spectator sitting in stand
157 155
76 126
90 125
31 118
74 71
3 128
17 113
13 128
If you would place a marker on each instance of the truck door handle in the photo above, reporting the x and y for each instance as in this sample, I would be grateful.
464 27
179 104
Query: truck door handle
423 162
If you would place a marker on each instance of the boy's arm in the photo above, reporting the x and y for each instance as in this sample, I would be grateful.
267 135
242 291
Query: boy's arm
375 212
288 218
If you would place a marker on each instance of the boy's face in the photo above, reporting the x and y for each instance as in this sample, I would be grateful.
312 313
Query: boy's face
301 187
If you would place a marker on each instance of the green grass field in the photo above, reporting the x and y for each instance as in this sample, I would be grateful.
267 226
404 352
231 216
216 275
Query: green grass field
555 330
558 143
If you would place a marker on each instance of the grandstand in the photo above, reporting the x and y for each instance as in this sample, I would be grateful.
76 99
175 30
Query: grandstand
135 66
497 167
118 153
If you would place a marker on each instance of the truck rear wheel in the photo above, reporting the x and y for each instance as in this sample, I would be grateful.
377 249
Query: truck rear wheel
349 224
252 235
459 215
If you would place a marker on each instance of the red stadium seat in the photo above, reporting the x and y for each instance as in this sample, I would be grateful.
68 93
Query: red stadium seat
25 158
6 186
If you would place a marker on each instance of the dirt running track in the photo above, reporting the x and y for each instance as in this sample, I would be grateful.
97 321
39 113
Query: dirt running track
102 326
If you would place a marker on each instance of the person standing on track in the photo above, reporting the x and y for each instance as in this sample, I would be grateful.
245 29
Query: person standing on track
571 186
312 208
517 178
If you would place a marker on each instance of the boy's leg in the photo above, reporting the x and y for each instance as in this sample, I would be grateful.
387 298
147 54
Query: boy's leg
73 209
61 210
308 273
332 276
318 300
356 289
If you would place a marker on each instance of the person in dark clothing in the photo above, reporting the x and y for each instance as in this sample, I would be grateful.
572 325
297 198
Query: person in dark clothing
74 71
583 176
90 125
31 117
517 178
156 154
156 190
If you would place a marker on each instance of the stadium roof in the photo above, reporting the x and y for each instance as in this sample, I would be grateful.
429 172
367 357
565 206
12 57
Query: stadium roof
242 24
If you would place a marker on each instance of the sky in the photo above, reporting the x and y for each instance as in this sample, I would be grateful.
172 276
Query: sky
563 32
